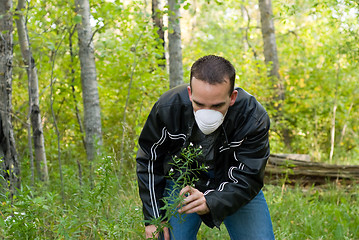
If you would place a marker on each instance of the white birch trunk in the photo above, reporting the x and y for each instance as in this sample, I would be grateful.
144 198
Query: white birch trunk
272 62
36 123
174 44
335 106
91 101
270 45
332 133
9 164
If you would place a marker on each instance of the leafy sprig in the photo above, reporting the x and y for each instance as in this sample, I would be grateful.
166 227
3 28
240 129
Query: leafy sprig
184 171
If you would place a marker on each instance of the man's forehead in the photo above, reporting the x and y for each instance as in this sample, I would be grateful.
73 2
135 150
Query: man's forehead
224 79
199 87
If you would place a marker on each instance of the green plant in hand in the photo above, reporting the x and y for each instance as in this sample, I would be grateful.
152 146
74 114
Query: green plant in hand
184 172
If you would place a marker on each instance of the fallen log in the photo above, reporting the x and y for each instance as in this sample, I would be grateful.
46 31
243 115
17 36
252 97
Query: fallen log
285 168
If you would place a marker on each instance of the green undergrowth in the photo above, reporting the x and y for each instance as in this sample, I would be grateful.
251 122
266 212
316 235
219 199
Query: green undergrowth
327 212
112 210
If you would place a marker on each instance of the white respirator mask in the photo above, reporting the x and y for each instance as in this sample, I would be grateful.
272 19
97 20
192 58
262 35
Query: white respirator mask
208 120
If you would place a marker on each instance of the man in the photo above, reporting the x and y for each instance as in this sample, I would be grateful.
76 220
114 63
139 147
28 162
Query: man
232 129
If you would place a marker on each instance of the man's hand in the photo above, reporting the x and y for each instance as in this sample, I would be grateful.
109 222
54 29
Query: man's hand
151 229
195 202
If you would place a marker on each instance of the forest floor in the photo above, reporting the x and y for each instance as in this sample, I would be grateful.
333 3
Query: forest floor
112 209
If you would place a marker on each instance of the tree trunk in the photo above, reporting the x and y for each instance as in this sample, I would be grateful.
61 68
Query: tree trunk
91 101
270 46
38 136
174 44
335 105
9 164
158 22
272 62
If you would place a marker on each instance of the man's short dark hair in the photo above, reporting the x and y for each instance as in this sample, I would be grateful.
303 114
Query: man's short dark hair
213 69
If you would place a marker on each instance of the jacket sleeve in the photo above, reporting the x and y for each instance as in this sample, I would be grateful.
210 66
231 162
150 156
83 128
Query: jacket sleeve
151 181
245 179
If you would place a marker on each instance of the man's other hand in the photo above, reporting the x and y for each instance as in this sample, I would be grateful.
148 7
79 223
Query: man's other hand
150 232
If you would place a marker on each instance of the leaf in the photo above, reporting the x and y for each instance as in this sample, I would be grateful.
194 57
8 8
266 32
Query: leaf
77 19
186 7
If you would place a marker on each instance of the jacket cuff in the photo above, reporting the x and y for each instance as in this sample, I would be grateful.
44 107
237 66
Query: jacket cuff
209 219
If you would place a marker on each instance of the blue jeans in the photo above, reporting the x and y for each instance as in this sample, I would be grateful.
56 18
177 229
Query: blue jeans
250 222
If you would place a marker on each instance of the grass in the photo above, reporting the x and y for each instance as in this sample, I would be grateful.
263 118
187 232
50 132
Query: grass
326 212
112 210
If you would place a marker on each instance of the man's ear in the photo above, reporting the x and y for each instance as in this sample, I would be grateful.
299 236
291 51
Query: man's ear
189 93
233 97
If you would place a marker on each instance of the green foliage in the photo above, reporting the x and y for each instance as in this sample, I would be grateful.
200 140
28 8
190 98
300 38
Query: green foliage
326 212
108 210
318 69
184 171
185 167
318 53
130 79
127 70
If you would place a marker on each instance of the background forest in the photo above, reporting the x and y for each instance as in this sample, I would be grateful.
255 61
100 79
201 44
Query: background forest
74 196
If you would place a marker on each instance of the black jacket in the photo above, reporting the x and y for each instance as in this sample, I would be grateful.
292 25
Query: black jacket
241 153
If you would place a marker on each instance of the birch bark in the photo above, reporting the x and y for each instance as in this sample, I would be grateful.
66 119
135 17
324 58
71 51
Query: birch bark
35 115
174 44
272 62
9 164
270 46
91 101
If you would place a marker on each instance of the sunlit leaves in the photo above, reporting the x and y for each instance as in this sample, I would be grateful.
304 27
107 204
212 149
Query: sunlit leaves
317 45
